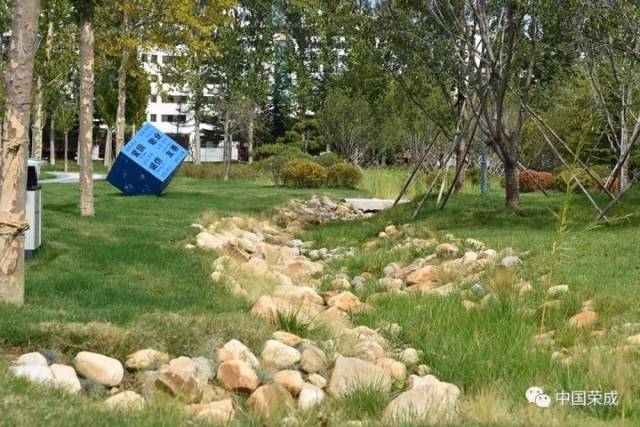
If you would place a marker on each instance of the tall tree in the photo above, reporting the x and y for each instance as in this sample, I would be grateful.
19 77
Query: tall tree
65 118
18 84
86 10
611 40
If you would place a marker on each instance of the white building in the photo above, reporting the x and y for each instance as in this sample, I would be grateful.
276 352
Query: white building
167 110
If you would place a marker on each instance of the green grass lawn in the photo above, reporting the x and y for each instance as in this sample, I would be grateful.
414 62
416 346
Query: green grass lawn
123 281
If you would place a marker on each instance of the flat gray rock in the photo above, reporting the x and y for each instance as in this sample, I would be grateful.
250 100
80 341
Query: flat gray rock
372 205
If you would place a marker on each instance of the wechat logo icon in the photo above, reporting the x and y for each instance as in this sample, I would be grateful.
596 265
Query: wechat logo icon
536 396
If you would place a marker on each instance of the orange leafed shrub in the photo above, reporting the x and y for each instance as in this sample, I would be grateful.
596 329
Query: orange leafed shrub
527 180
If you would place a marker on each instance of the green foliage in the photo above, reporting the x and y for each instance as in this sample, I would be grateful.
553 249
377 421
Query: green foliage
216 171
328 159
304 173
138 92
565 178
343 175
270 150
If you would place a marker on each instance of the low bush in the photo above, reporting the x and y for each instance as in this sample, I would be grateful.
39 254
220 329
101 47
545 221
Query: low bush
343 175
304 173
274 165
271 150
216 171
565 178
328 159
530 180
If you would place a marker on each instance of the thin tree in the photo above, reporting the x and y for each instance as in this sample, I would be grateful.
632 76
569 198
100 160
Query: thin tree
65 119
85 137
18 84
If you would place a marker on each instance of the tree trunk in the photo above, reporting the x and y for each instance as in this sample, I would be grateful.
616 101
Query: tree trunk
52 142
66 151
226 156
460 160
624 145
197 155
122 89
85 135
108 148
36 151
250 138
18 86
511 184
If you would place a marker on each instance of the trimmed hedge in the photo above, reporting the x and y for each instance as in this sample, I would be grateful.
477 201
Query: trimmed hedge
304 173
527 180
343 175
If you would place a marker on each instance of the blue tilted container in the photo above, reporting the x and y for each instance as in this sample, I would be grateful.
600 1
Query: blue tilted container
147 163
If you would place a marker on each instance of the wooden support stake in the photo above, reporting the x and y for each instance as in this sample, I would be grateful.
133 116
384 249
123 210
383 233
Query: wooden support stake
415 170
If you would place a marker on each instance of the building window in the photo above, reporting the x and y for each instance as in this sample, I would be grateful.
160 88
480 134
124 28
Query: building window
144 57
154 59
174 118
153 118
154 98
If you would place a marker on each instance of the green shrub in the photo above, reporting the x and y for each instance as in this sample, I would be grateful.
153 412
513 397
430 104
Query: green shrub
473 175
274 165
343 175
602 171
304 173
216 171
271 150
565 178
328 159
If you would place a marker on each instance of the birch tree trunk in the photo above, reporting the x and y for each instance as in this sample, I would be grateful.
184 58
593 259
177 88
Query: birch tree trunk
122 89
85 135
52 142
36 151
197 155
66 151
13 182
108 148
250 137
226 152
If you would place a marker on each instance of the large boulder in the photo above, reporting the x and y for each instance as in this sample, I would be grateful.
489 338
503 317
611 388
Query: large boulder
270 400
289 379
66 378
34 358
238 376
310 396
125 401
235 350
176 384
351 374
99 368
428 273
345 301
218 412
428 400
33 373
313 359
279 355
146 359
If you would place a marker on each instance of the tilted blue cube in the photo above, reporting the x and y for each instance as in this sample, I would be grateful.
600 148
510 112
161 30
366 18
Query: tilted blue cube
147 163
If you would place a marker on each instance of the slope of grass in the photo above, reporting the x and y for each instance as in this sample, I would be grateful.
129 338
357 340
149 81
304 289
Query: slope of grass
122 281
490 352
127 266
